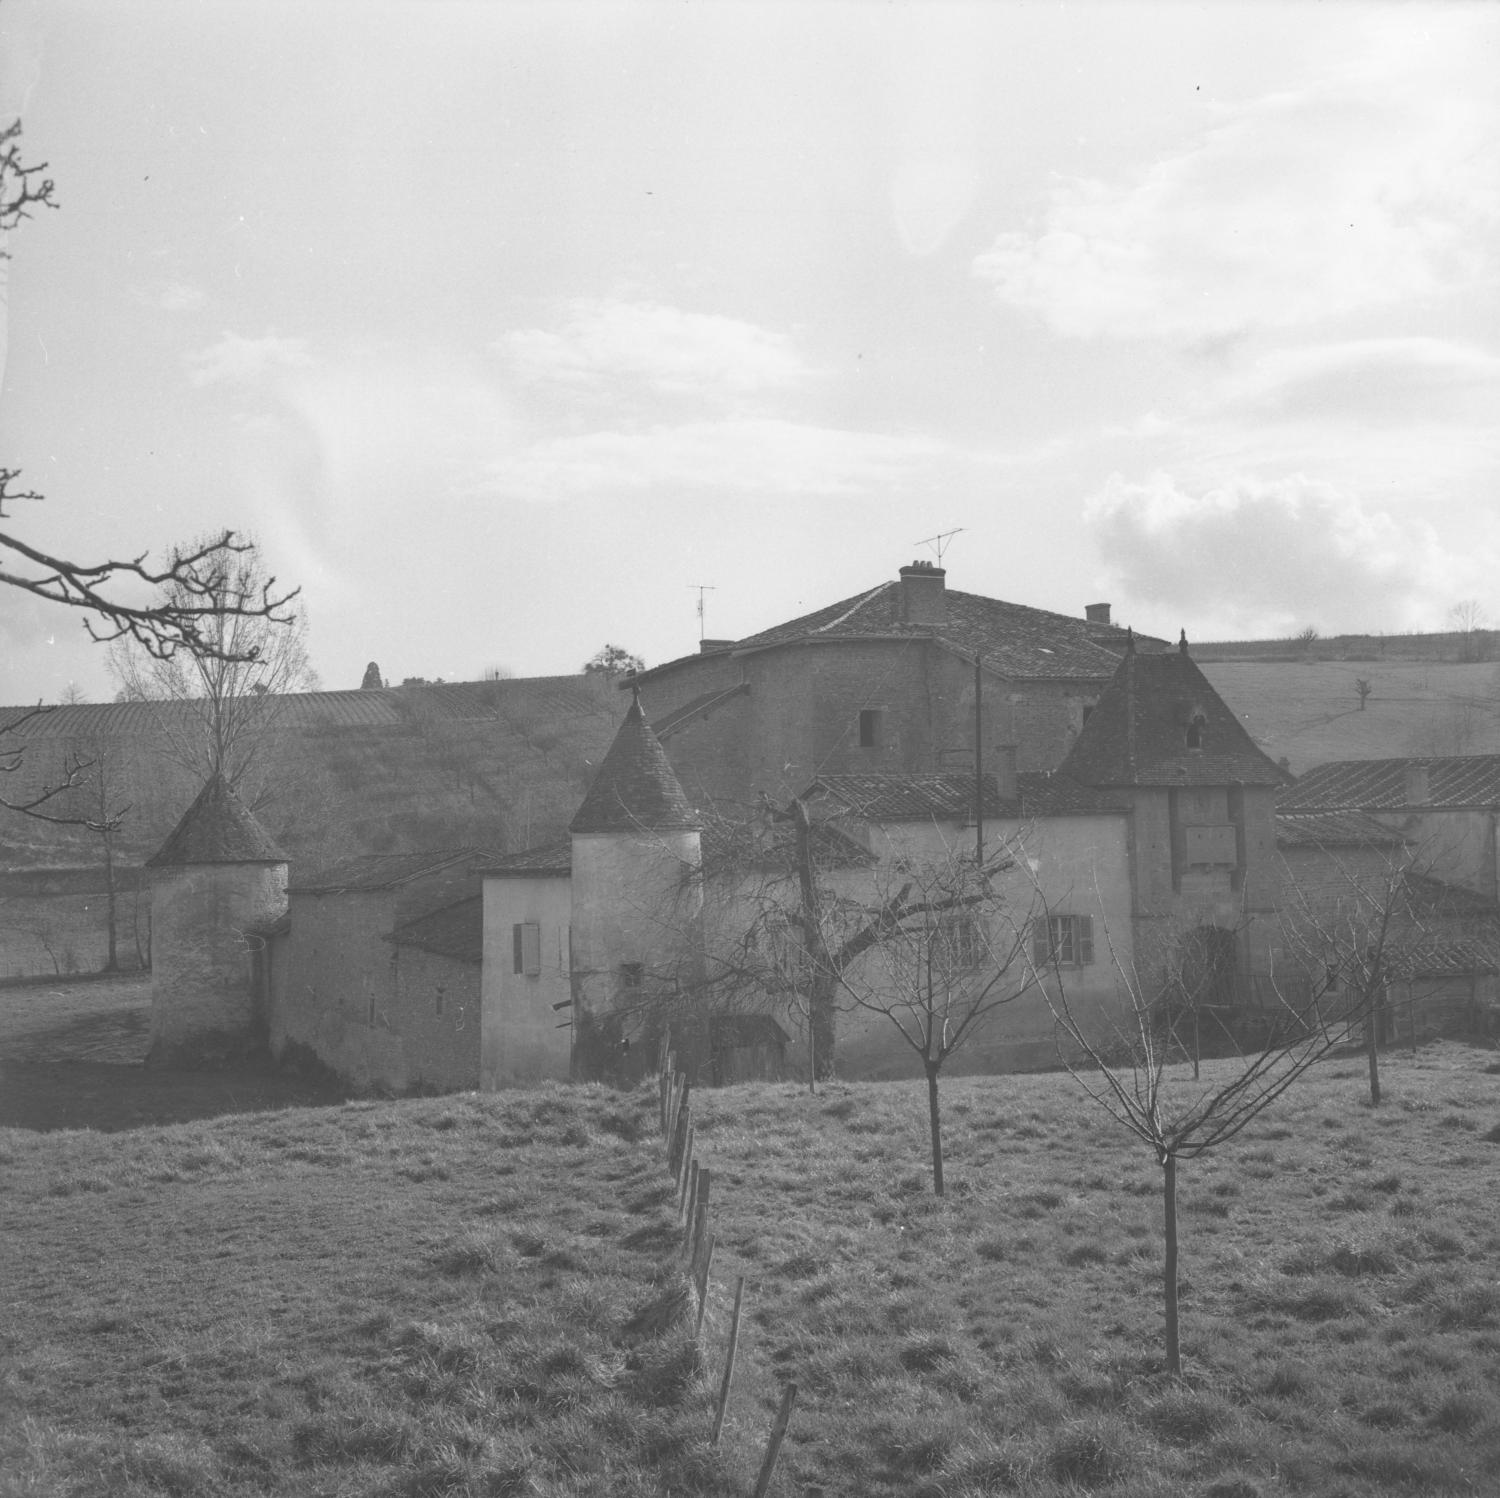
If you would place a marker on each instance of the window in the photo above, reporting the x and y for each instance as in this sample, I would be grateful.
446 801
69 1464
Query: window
869 728
1067 940
632 978
526 939
959 947
1196 725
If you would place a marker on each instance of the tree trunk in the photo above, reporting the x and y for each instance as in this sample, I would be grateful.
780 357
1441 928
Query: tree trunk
820 1013
1372 1033
112 962
935 1126
1169 1214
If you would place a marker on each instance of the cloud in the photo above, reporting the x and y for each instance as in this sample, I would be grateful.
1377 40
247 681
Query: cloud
1261 557
180 298
773 458
246 361
1399 381
1371 187
657 348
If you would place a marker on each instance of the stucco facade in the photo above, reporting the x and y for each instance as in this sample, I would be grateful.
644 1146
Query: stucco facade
204 1002
527 996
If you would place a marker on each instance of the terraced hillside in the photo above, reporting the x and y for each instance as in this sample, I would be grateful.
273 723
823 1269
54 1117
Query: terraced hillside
358 771
1309 712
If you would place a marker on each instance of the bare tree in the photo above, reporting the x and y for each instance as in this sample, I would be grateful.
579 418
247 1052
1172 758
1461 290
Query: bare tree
105 591
1126 1067
222 695
950 951
1363 687
1470 620
1356 925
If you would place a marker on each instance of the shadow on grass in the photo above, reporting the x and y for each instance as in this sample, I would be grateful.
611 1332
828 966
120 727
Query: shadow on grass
111 1096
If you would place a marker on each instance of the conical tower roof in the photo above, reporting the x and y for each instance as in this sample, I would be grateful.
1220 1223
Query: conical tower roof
1159 722
635 789
216 828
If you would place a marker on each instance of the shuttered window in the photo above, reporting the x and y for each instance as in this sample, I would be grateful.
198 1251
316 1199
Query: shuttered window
526 937
1067 940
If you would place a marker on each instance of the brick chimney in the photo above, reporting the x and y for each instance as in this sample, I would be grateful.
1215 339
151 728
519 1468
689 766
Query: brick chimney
708 647
1096 613
1415 786
923 596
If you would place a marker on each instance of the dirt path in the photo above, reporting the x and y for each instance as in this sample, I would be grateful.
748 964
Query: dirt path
71 1057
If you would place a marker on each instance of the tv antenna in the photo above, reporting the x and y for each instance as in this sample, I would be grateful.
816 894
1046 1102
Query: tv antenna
702 588
940 542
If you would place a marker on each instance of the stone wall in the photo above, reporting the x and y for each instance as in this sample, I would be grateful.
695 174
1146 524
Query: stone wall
204 1004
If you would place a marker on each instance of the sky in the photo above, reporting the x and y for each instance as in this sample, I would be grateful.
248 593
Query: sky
505 328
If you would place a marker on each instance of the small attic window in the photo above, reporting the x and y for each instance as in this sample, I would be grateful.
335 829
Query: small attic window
1196 725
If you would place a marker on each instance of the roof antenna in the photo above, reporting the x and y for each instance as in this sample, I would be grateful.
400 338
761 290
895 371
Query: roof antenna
940 542
702 589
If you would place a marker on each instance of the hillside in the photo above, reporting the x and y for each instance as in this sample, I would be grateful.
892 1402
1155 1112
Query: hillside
484 1295
499 764
1309 712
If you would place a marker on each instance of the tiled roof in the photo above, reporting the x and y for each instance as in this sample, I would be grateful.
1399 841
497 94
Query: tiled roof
455 931
1333 829
1012 639
1381 784
699 707
731 847
546 858
948 795
375 871
1138 733
216 828
1444 959
635 789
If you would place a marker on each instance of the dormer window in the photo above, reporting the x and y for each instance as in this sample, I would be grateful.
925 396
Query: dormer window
1196 725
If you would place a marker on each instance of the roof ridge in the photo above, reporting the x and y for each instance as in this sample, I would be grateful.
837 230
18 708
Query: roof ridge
853 609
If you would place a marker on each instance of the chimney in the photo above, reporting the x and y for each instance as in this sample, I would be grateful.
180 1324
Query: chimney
1003 764
708 647
923 598
1415 788
1096 613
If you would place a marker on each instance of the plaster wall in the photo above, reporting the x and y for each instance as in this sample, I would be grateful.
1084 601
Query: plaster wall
436 1013
202 988
521 1041
340 987
1454 844
1080 866
631 904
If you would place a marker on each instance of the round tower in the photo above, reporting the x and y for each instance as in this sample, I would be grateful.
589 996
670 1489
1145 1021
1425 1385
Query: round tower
215 878
637 904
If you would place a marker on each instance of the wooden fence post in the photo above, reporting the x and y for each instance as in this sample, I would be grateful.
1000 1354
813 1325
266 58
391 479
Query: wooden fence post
691 1177
698 1218
729 1357
679 1128
773 1449
704 1253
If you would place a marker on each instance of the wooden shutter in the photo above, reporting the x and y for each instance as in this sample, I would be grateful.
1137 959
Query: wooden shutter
1041 945
1085 939
526 947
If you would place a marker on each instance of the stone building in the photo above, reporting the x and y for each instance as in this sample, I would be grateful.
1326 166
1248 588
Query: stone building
1201 799
372 980
216 880
885 681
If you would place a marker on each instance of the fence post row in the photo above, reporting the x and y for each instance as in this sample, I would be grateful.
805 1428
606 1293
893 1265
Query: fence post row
699 1242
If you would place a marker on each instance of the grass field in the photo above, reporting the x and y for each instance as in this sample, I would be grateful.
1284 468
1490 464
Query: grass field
481 1295
1308 712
